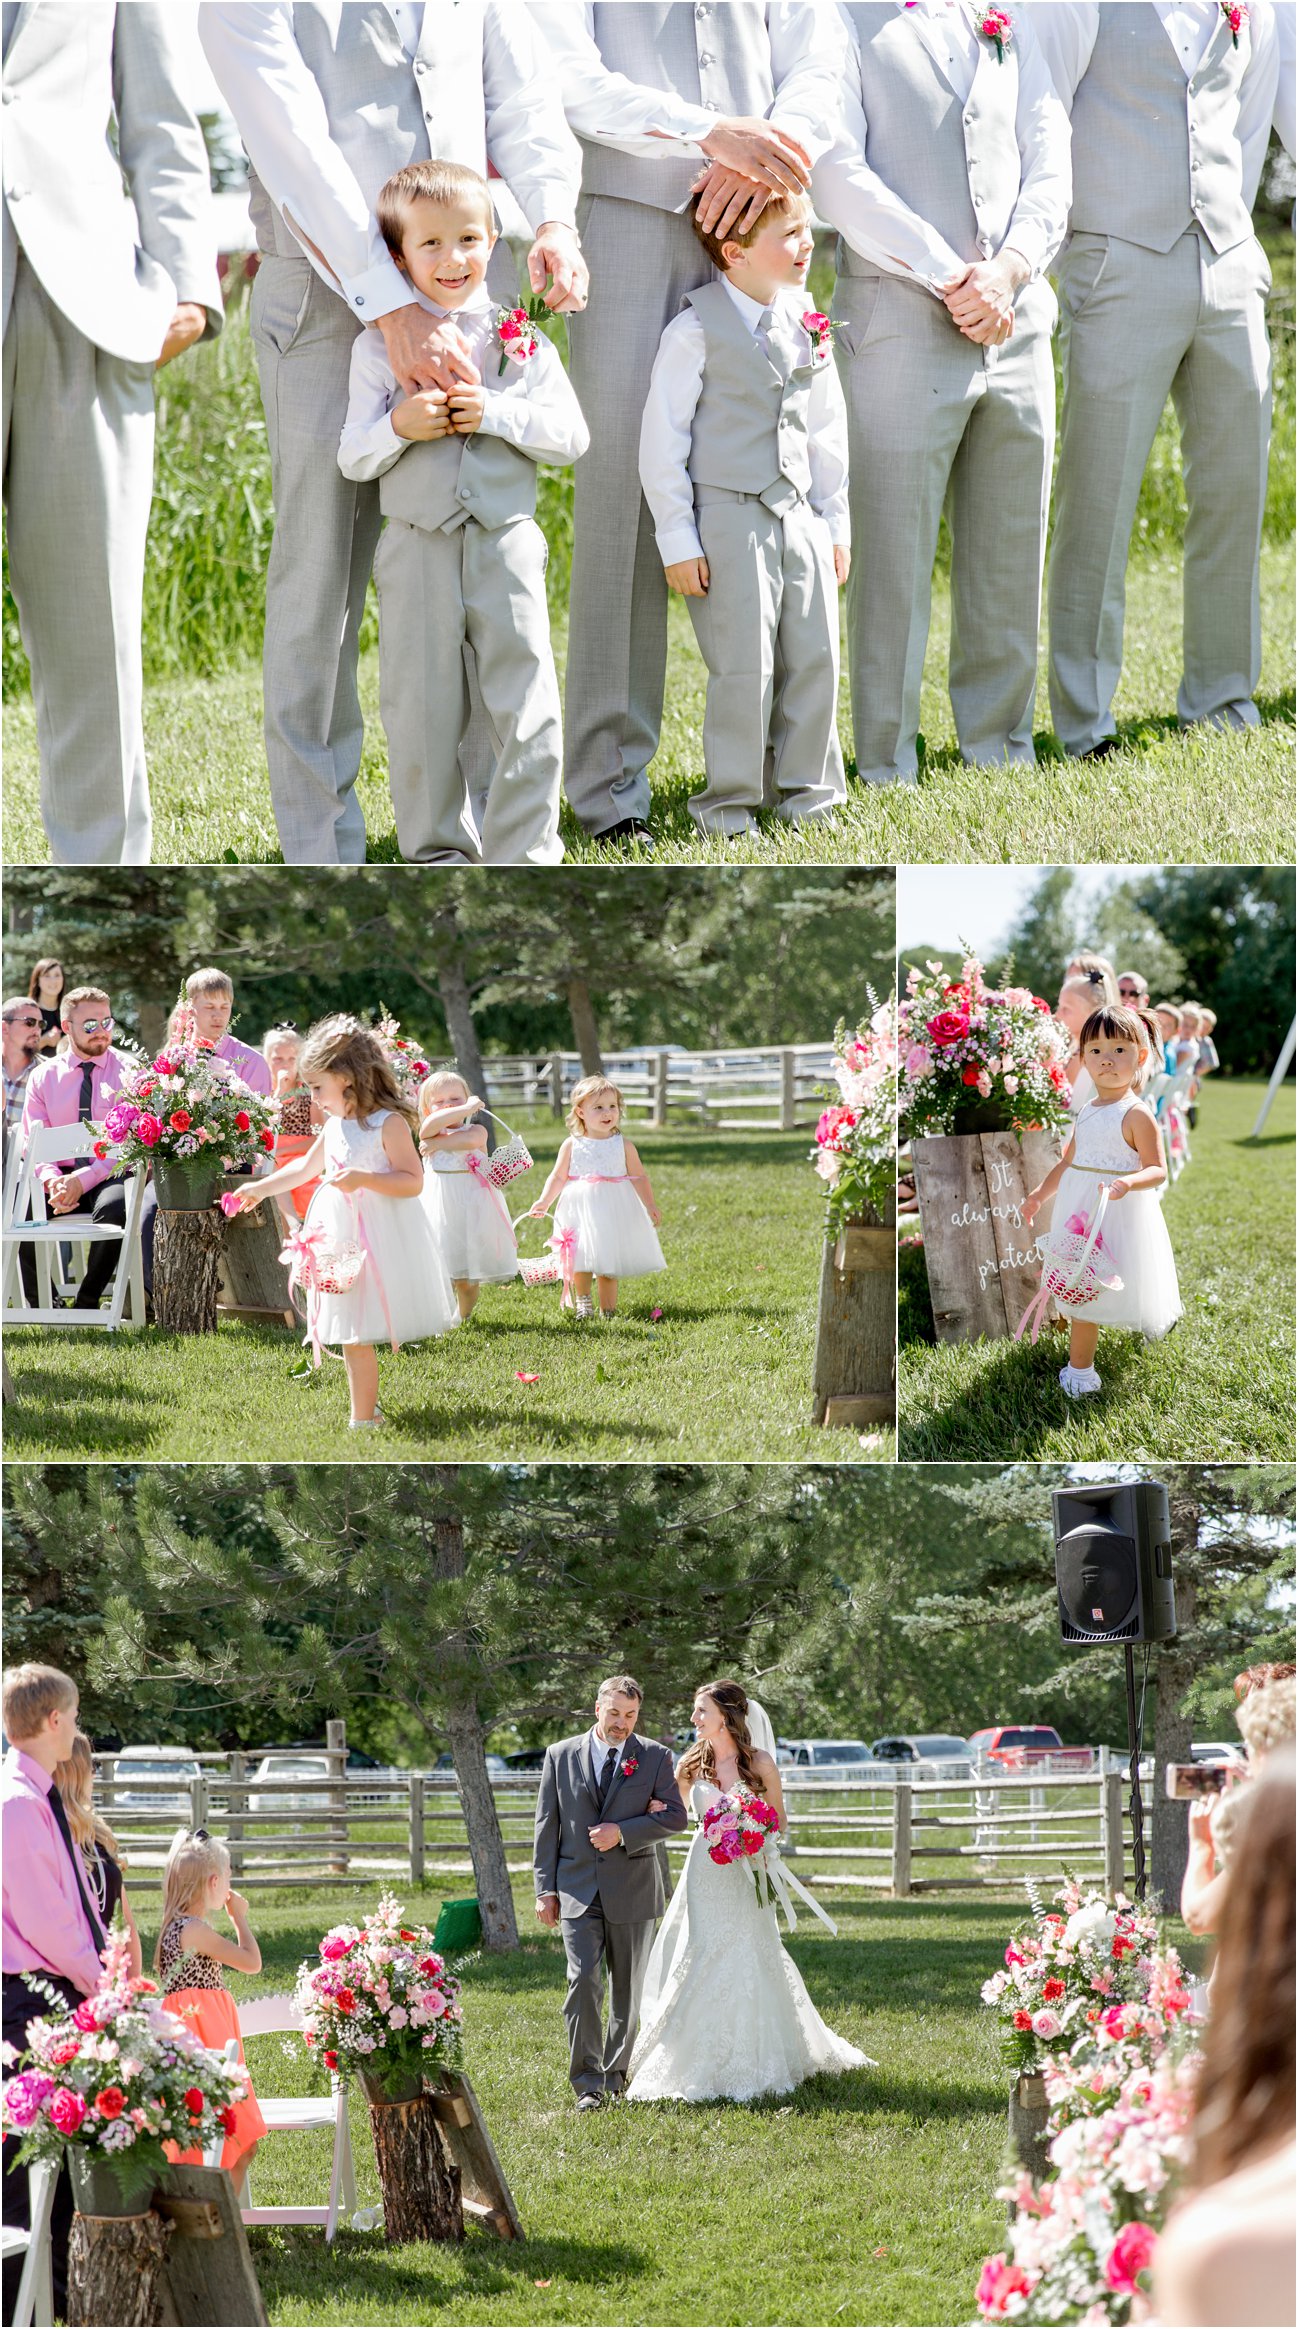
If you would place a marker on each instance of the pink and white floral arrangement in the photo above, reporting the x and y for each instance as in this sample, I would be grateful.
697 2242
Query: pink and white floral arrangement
186 1107
118 2076
1063 1971
380 1999
1120 2076
962 1043
856 1138
409 1067
738 1827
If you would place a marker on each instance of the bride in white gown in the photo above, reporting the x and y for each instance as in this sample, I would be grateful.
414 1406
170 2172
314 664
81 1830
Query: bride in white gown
725 2012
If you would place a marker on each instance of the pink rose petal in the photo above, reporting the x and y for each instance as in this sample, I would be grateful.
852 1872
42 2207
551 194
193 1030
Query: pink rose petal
520 1377
230 1203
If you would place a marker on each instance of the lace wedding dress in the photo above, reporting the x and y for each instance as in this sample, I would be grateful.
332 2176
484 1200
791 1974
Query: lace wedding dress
725 2012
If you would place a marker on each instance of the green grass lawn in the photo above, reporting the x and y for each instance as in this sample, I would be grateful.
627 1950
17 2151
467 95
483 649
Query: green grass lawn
726 1373
866 2198
1220 1388
1205 798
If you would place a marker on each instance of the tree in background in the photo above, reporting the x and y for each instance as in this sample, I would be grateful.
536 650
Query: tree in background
1234 928
1044 937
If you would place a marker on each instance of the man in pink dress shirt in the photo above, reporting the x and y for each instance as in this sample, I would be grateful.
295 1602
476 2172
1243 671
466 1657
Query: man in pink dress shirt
48 1927
210 996
74 1086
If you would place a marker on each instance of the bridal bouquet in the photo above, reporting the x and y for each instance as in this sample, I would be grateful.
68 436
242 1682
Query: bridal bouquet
117 2076
186 1104
380 1990
856 1139
962 1044
736 1827
1065 1970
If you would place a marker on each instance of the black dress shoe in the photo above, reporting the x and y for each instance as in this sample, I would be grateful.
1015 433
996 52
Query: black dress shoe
1104 750
590 2102
632 830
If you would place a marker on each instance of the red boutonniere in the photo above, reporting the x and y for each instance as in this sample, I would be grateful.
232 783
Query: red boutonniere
820 332
515 329
996 26
631 1764
1236 17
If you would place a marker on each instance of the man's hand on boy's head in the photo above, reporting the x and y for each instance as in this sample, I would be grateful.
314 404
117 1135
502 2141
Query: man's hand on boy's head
466 407
729 203
842 563
757 149
689 576
422 416
425 351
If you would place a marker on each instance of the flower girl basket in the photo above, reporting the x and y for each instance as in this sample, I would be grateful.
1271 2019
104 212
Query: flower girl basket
511 1158
1074 1269
547 1269
321 1264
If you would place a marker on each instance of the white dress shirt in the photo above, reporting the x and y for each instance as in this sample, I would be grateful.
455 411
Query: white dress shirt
807 56
674 391
1066 30
892 236
1286 17
532 405
509 110
598 1750
953 27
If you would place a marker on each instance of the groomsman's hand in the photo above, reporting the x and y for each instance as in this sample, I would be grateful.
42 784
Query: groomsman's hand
689 576
729 202
188 324
466 408
842 563
425 351
422 416
757 149
981 301
557 253
547 1908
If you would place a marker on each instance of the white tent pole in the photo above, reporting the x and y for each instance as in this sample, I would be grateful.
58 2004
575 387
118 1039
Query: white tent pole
1278 1074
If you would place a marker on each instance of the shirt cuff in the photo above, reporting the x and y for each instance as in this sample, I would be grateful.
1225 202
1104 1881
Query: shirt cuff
553 206
688 123
1029 238
676 543
835 514
378 291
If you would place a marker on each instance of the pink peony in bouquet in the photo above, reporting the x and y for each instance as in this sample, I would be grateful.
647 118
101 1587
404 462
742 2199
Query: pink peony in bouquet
118 2076
380 1999
738 1827
962 1043
856 1138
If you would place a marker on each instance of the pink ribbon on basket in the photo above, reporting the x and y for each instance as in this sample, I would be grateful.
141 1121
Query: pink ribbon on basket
564 1244
303 1248
478 1167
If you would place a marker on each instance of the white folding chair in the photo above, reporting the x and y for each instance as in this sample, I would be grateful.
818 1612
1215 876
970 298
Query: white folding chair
299 2113
26 1222
34 2305
1174 1121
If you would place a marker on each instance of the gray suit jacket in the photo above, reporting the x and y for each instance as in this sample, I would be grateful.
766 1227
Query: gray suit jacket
114 257
628 1881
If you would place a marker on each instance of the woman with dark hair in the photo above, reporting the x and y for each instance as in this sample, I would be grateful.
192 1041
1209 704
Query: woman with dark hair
47 986
725 2012
1227 2256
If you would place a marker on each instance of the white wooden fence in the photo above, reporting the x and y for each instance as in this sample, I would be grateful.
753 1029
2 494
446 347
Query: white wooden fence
778 1088
896 1834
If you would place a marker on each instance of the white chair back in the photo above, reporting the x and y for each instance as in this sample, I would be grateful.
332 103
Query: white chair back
260 2017
27 1221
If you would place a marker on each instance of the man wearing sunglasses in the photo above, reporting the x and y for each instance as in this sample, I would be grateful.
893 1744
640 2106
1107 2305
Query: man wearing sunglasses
75 1087
22 1042
1133 990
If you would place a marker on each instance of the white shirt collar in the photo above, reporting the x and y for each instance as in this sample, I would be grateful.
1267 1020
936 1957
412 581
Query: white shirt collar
480 304
752 310
599 1749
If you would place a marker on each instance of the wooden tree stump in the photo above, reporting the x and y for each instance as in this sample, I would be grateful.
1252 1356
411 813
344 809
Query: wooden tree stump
116 2270
187 1250
419 2181
1029 2120
853 1380
253 1279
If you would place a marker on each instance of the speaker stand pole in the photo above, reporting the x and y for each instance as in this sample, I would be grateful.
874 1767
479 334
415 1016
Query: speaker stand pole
1137 1808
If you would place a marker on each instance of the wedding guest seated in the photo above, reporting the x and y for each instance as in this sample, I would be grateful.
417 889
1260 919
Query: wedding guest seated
101 1854
1082 993
1133 989
210 995
1227 2255
77 1088
49 1931
1265 1717
1208 1059
46 987
1168 1016
21 1020
1088 965
280 1047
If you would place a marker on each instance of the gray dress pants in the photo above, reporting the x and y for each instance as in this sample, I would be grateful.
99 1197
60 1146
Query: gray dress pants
598 2062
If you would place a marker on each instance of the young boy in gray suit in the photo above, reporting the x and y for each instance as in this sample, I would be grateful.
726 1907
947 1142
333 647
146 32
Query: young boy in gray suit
461 564
743 461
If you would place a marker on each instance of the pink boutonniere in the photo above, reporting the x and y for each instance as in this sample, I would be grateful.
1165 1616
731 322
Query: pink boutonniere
820 332
515 329
631 1764
1236 17
997 27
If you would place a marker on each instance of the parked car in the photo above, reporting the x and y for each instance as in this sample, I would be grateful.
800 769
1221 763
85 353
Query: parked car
152 1779
1018 1746
282 1766
825 1758
1219 1751
524 1759
497 1767
923 1747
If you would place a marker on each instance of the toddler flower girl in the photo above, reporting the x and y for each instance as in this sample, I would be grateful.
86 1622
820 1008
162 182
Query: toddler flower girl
605 1212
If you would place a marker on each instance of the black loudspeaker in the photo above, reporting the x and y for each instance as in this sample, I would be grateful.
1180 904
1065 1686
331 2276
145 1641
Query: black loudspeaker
1113 1563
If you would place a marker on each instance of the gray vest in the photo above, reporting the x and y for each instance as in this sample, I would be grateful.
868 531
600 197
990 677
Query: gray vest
439 483
937 155
750 423
1153 153
716 54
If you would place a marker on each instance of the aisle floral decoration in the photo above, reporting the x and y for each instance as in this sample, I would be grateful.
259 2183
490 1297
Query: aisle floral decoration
964 1044
380 1999
856 1138
117 2077
1065 1969
186 1105
409 1067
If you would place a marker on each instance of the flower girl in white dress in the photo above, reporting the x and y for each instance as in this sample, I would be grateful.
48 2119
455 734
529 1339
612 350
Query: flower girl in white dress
370 1166
470 1218
725 2013
1116 1144
605 1210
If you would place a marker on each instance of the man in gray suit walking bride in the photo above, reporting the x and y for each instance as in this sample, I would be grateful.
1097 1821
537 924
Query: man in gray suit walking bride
599 1876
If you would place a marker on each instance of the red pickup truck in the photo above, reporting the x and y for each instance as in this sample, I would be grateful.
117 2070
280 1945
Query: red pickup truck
1018 1746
